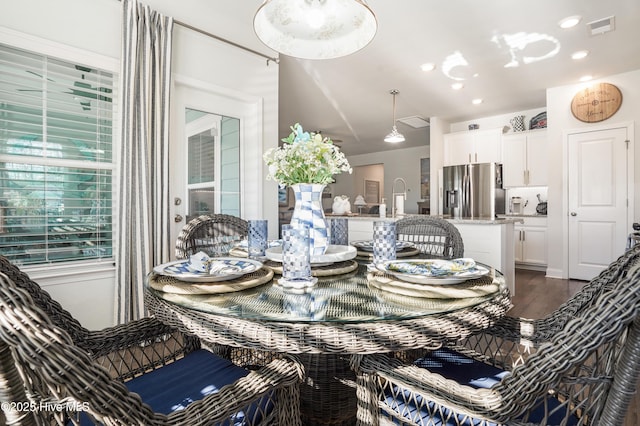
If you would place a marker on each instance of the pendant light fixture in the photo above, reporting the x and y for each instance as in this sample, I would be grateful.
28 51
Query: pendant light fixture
394 136
315 29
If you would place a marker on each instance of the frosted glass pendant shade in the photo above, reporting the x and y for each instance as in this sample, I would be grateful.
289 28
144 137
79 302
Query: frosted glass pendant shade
394 136
315 29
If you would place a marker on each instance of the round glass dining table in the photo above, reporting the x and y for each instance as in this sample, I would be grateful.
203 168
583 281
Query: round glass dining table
359 312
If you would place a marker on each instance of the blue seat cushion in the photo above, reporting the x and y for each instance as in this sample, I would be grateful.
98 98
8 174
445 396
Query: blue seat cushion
466 371
200 373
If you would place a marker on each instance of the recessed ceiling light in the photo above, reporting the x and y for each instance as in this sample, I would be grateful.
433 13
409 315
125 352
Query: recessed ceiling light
476 101
586 78
580 54
428 67
457 86
570 22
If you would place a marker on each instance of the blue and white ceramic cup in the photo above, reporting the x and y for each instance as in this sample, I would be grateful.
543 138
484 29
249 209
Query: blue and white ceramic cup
384 241
296 257
339 231
257 238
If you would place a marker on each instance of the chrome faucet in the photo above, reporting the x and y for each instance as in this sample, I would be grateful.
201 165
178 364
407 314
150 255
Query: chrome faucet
394 193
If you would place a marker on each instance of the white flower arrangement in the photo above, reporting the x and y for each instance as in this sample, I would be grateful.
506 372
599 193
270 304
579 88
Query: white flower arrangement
305 158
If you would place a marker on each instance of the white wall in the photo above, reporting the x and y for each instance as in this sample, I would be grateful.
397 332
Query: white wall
400 163
96 26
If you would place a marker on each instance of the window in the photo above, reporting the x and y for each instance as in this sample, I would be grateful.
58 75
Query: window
56 159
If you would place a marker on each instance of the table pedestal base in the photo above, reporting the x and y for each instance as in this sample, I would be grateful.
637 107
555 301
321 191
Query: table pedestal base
328 394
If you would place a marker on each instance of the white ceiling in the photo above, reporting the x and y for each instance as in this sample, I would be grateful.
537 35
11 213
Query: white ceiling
348 98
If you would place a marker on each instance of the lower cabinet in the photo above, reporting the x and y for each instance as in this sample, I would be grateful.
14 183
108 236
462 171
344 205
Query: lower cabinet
530 240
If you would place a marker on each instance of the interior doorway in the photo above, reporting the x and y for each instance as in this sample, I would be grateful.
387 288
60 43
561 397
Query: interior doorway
600 188
367 181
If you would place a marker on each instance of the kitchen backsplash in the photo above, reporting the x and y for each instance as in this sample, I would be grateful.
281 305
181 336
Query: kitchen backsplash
529 198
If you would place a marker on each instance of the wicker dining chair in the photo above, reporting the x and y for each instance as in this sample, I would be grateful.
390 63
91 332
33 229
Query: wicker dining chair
54 371
433 236
214 234
578 366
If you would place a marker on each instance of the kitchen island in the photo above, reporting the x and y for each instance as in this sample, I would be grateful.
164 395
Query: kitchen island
488 241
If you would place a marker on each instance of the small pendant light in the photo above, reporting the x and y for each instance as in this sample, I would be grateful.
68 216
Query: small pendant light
394 136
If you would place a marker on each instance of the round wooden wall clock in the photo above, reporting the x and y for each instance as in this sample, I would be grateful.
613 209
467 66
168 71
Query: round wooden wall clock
596 103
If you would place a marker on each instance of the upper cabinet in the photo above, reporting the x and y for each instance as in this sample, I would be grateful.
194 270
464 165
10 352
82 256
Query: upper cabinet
473 146
524 156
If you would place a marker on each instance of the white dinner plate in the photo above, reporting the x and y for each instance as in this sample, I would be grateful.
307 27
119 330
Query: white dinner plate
225 268
367 245
433 271
333 254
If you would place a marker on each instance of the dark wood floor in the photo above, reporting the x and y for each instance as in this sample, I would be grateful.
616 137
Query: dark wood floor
536 296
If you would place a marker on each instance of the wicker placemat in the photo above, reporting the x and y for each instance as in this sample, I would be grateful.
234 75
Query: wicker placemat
337 268
426 304
473 288
173 285
407 252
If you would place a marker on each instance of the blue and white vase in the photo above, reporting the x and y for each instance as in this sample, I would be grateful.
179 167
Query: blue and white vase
308 212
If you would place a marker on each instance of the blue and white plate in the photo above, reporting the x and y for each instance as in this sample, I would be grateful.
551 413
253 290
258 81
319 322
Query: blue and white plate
219 269
434 271
367 245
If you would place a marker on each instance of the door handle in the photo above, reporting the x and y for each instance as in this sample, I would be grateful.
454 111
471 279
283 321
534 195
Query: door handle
177 218
574 214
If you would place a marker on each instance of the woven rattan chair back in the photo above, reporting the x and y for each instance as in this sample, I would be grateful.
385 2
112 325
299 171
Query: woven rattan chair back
433 236
47 378
214 234
41 298
584 359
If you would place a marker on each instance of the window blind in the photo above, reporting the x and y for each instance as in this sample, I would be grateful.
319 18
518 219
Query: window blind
56 159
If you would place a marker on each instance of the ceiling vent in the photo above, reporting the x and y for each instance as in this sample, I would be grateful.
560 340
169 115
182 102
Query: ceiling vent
414 121
601 26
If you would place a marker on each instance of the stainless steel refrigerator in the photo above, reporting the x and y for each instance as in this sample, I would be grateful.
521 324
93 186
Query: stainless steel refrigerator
473 191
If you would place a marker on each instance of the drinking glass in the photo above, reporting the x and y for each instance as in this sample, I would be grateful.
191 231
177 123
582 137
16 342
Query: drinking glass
384 241
339 231
296 258
257 238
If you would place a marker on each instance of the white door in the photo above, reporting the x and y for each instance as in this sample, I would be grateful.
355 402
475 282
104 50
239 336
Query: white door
598 194
210 124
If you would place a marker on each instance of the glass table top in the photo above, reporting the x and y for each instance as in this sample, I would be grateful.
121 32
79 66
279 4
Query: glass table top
346 298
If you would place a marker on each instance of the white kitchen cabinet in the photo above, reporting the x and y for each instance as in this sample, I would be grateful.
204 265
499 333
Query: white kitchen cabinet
524 157
530 241
473 146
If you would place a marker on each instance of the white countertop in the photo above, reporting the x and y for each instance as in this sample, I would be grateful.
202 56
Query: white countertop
480 221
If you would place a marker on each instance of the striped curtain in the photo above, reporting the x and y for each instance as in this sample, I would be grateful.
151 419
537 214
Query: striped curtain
143 207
